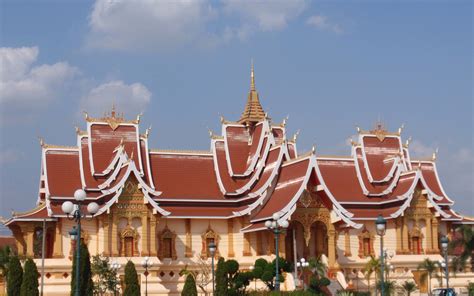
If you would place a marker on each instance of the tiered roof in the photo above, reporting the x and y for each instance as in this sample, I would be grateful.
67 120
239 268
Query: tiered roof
252 170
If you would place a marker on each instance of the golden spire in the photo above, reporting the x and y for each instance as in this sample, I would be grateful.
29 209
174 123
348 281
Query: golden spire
252 77
253 111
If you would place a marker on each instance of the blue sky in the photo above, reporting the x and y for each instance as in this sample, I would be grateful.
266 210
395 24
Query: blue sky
329 65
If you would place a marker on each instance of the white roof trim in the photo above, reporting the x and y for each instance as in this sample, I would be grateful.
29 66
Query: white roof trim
387 190
366 164
89 132
253 162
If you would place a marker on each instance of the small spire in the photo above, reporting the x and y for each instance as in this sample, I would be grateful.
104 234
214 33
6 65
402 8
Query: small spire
252 77
253 111
112 114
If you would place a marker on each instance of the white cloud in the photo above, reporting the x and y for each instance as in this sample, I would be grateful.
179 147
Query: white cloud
132 98
265 15
421 150
166 25
152 24
22 84
321 22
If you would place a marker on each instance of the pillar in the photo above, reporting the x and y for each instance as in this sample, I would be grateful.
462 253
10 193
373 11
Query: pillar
435 230
230 238
114 236
58 241
270 243
247 250
145 249
30 231
259 241
429 239
189 239
406 249
153 238
399 225
20 240
332 247
106 233
347 244
281 245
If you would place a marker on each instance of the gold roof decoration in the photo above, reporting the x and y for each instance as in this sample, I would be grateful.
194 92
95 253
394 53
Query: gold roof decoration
114 119
380 131
253 111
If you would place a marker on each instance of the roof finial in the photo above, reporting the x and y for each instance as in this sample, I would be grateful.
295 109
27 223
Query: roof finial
400 129
435 155
112 114
252 76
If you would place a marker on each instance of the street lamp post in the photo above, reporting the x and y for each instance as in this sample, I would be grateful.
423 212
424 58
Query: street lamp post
277 227
302 264
73 212
115 266
381 226
442 265
254 278
444 247
212 251
146 263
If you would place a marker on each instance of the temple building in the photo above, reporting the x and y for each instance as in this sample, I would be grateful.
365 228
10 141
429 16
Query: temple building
170 205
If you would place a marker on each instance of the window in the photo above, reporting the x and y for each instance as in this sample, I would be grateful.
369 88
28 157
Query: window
207 237
366 243
129 242
166 246
367 250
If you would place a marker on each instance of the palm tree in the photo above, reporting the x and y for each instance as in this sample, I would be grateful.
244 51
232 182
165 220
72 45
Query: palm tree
409 287
430 267
373 265
389 286
465 241
318 267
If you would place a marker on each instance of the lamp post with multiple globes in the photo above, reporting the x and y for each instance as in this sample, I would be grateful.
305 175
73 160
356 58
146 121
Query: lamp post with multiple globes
277 227
302 264
444 247
115 266
381 226
73 212
146 263
212 251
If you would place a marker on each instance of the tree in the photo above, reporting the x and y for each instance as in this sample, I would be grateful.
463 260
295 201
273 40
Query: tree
132 288
430 267
106 277
29 284
266 271
86 286
6 254
389 287
316 285
202 274
408 287
464 241
318 267
15 276
373 265
189 288
221 278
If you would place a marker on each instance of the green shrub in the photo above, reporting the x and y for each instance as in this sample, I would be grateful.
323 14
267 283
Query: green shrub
470 289
132 288
221 278
86 286
189 288
15 276
29 284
